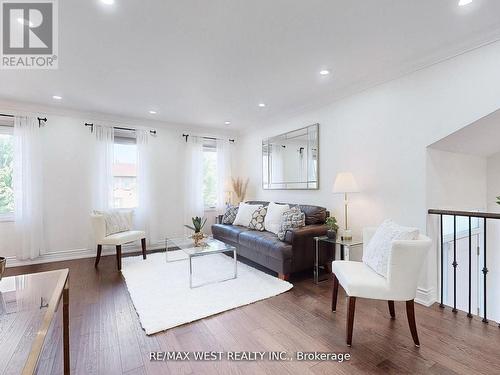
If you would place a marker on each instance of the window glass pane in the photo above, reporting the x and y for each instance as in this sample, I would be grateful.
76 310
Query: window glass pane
210 177
6 169
125 175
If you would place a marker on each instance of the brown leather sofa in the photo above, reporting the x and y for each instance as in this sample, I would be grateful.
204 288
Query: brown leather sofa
296 253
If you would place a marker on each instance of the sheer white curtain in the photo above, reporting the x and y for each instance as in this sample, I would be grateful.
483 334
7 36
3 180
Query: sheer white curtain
28 182
224 152
103 171
143 211
193 205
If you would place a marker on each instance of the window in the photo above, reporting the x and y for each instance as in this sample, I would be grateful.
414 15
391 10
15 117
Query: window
210 175
125 170
6 173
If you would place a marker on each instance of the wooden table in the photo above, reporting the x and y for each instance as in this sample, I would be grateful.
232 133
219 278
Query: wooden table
28 304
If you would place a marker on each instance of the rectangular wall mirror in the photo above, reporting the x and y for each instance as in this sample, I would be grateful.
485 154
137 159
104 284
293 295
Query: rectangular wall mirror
291 160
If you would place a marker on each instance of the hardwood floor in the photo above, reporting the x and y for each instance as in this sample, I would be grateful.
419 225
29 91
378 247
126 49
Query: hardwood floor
106 336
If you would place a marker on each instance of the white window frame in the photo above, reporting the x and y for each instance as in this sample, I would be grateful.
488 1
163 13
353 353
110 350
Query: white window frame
209 146
7 217
125 137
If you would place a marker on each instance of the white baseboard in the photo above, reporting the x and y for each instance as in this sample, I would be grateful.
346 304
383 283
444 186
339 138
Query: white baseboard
425 297
59 256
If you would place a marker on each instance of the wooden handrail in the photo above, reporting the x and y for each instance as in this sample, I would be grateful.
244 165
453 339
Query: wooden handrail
484 215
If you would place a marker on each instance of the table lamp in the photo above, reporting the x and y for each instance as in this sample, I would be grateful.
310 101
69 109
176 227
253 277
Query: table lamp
344 184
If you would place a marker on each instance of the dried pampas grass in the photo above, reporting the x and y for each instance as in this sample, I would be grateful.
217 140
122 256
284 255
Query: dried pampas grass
240 187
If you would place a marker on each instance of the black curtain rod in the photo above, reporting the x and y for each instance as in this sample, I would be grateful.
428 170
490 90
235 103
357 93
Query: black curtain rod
211 138
40 119
91 125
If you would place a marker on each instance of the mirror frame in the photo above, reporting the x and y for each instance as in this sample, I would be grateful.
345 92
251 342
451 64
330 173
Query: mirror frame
268 186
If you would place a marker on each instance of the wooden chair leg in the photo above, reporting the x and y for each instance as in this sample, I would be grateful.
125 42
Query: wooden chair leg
410 313
335 293
143 244
283 276
391 309
98 257
350 319
119 257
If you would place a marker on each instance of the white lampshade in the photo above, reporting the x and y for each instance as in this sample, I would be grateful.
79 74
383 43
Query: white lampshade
345 183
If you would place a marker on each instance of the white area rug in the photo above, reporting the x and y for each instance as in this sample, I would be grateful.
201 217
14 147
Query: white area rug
162 297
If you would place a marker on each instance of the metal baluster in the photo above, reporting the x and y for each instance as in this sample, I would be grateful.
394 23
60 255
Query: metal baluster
485 271
454 264
469 315
442 261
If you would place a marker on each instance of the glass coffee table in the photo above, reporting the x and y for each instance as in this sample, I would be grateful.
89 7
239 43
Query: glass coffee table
209 247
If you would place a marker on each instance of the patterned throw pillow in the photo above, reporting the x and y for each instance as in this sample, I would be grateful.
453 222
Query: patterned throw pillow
258 217
230 215
291 219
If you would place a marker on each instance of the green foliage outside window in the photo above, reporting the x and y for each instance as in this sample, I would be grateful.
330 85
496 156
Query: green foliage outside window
210 178
6 174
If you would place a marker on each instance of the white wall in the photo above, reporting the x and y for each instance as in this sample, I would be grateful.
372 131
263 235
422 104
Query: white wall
456 181
493 238
67 163
381 136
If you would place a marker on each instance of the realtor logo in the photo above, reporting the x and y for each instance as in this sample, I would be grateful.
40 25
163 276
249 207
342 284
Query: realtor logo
29 34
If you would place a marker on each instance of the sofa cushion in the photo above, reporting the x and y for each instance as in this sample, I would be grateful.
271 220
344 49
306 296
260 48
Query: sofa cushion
314 214
228 232
266 243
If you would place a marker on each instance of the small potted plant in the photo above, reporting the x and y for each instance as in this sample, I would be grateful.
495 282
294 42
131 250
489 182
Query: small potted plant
332 226
198 224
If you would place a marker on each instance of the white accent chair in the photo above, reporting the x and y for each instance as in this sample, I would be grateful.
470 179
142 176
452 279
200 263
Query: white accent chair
115 239
359 280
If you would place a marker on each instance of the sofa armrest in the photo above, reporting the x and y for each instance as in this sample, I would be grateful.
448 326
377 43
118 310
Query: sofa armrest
305 233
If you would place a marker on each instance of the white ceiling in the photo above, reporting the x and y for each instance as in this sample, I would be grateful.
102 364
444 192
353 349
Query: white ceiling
481 138
204 62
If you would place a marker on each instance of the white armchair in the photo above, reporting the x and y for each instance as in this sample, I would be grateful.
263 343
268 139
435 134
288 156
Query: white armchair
116 239
359 280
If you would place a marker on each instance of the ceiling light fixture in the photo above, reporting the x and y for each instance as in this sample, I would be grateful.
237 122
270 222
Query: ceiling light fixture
108 2
227 122
262 105
56 97
324 72
151 112
464 2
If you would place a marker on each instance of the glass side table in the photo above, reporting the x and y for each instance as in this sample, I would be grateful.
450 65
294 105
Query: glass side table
332 242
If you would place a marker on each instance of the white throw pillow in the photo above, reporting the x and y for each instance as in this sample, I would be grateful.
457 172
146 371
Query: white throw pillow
245 212
376 253
272 221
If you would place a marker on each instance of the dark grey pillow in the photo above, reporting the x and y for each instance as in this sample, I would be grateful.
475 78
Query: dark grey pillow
291 219
230 215
257 221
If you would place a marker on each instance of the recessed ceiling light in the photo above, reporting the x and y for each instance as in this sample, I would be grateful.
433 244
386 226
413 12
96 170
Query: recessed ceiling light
262 105
151 112
56 97
108 2
464 2
227 122
324 72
